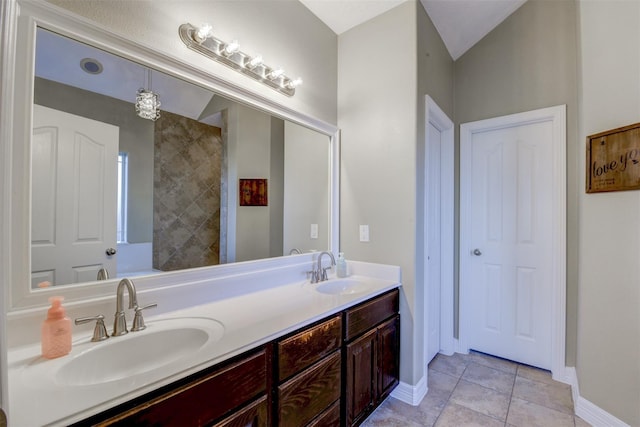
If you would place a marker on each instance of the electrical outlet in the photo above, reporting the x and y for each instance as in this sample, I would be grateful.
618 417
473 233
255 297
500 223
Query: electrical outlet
314 231
364 233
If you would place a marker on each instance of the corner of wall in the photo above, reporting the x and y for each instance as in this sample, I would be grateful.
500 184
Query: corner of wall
583 408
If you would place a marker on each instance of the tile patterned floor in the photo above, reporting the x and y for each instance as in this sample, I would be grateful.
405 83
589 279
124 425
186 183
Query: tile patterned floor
480 390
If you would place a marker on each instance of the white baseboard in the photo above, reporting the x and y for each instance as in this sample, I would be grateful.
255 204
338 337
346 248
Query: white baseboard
411 394
586 410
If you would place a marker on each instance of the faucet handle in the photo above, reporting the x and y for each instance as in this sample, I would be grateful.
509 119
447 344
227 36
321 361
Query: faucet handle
314 276
138 320
100 331
324 276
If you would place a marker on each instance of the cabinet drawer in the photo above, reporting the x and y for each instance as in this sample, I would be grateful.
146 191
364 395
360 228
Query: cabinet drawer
203 400
307 347
367 315
254 415
329 418
306 395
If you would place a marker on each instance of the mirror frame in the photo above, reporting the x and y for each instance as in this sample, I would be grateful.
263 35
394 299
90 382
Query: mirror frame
16 124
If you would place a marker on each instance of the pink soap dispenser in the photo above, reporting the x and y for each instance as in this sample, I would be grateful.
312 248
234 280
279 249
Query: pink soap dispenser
56 331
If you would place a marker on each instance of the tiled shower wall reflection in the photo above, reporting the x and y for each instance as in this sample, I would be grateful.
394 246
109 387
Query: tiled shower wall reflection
186 198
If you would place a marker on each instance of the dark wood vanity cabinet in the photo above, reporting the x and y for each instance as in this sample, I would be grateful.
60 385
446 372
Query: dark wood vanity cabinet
372 355
331 373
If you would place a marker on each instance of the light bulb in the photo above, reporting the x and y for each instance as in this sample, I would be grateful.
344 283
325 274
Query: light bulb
274 74
230 48
203 33
292 84
254 62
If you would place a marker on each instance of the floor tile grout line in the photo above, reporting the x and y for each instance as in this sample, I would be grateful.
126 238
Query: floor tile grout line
450 393
513 386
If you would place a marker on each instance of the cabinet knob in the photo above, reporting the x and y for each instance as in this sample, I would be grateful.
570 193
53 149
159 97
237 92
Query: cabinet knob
110 251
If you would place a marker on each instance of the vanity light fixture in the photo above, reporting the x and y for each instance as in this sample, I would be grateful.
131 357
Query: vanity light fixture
201 40
147 102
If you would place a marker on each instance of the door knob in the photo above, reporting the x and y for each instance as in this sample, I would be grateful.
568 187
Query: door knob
110 251
477 252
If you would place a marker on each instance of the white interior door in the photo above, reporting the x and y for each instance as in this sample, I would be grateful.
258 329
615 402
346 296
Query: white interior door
509 249
74 186
433 261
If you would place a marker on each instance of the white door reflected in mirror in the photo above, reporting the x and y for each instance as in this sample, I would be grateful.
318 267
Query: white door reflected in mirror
73 208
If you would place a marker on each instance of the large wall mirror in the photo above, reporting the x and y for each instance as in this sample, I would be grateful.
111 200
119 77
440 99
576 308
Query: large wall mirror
112 194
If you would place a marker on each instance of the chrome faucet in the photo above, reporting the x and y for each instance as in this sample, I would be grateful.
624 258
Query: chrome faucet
321 273
120 323
294 250
103 274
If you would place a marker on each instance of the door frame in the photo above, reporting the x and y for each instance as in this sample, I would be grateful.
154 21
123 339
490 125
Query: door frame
557 116
436 117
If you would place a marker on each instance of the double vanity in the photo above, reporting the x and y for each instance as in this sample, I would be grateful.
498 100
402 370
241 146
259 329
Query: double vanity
285 352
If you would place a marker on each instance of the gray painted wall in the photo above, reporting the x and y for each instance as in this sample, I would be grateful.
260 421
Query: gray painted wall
306 188
382 121
276 187
608 352
253 153
528 62
377 118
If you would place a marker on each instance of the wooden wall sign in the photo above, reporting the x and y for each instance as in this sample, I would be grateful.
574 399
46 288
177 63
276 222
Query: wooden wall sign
613 160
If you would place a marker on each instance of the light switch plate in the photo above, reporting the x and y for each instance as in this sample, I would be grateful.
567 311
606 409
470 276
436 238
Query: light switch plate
314 231
364 233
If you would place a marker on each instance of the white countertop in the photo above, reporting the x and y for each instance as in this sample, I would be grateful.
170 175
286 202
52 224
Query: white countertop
249 320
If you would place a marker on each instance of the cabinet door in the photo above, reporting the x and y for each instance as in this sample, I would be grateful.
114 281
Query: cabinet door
388 357
361 377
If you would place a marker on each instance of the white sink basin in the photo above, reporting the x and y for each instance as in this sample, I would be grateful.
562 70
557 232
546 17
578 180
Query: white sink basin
342 287
132 355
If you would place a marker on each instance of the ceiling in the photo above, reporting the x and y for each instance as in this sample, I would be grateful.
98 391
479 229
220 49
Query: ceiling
460 23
